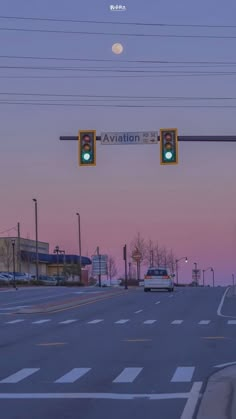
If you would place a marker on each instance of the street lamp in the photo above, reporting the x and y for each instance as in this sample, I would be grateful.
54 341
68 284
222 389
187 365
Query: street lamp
203 275
14 266
233 284
64 260
80 257
36 238
213 276
177 270
57 250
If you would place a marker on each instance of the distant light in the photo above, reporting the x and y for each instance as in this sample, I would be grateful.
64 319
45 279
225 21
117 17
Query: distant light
168 155
86 156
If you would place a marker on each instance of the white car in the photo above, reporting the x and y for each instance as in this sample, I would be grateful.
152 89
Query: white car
158 278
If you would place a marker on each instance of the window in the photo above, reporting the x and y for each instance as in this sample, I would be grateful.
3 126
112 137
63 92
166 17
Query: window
157 272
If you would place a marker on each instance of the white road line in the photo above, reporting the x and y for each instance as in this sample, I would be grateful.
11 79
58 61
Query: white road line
177 322
73 375
221 304
183 375
122 321
67 321
15 321
231 322
204 322
99 396
128 375
170 296
149 321
41 321
137 312
158 302
19 376
95 321
192 401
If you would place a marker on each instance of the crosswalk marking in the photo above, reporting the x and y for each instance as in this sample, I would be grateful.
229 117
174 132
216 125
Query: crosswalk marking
19 376
128 375
73 375
149 321
95 321
137 312
177 322
122 321
183 375
67 321
204 322
41 321
158 302
15 321
231 322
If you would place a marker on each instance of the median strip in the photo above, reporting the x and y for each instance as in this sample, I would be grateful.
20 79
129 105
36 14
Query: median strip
68 304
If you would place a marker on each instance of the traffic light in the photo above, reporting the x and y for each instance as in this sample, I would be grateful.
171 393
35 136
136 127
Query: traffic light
169 146
87 147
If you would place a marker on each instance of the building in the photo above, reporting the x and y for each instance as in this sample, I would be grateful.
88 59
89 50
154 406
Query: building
25 257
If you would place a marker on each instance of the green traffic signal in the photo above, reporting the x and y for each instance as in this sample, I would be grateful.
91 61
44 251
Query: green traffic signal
87 147
169 146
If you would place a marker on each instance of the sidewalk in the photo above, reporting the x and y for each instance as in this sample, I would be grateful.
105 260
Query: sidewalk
219 398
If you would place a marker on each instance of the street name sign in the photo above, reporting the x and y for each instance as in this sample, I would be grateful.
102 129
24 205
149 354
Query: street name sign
127 138
99 264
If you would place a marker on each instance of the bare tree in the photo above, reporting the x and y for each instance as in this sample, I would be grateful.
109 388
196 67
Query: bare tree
149 253
6 254
138 244
171 261
164 256
111 265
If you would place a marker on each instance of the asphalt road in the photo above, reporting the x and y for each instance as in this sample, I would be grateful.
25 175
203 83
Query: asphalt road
140 354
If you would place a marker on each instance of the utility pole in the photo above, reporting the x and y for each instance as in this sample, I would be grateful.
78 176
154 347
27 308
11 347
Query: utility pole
125 259
18 249
99 275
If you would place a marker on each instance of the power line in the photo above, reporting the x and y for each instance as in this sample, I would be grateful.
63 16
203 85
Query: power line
115 97
70 32
38 19
112 70
114 62
187 106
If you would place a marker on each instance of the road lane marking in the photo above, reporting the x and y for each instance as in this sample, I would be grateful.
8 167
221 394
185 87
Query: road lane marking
51 344
100 396
149 321
122 321
170 296
137 340
177 322
158 302
183 375
137 312
128 375
225 365
214 337
204 322
19 376
73 375
41 321
68 321
15 321
221 304
96 321
192 401
231 322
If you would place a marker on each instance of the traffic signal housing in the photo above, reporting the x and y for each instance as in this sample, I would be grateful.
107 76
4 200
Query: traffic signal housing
169 146
87 147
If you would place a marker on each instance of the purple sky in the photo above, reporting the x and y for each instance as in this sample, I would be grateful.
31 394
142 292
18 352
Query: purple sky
191 207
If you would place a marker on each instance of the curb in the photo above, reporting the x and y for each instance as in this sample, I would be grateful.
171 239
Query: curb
219 398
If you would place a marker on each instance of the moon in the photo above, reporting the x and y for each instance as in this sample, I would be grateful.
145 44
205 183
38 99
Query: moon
117 48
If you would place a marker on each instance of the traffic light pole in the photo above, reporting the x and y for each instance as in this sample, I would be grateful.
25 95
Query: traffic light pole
125 259
99 275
